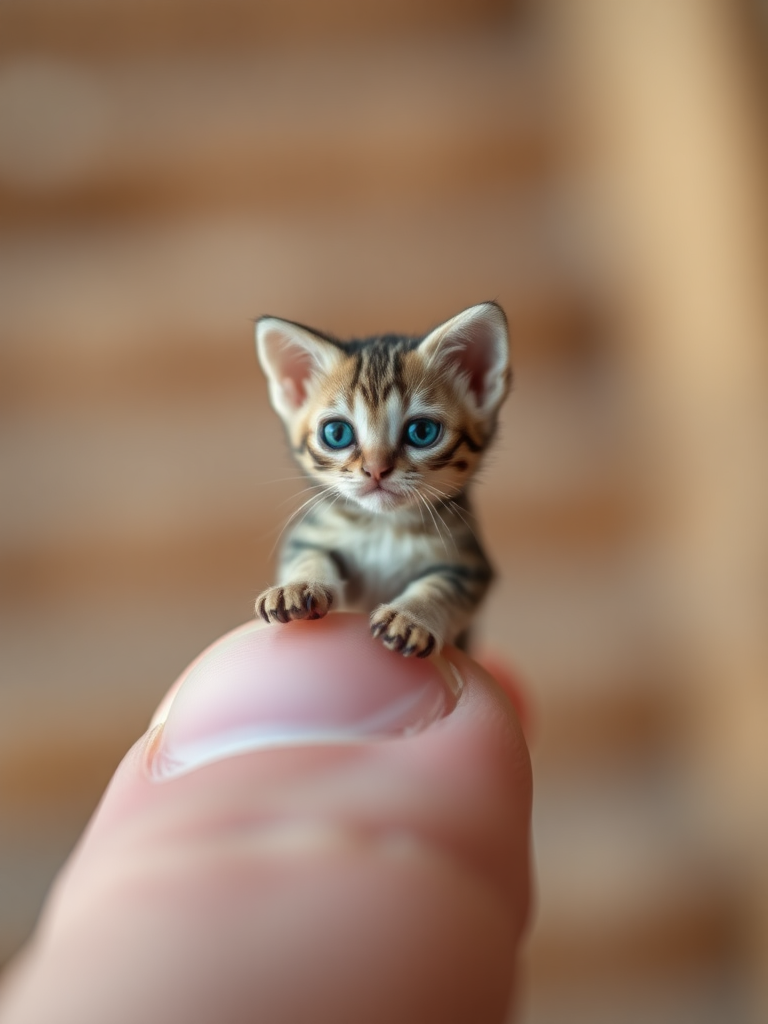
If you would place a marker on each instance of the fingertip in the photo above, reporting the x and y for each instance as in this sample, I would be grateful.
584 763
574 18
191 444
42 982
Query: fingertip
297 684
510 682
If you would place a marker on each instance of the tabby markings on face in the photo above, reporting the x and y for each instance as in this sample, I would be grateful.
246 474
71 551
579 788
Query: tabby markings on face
391 430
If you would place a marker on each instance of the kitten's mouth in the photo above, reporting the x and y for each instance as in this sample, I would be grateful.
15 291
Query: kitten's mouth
378 496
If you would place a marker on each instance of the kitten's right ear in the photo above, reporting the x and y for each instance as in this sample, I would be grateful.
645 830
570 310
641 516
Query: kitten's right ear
292 357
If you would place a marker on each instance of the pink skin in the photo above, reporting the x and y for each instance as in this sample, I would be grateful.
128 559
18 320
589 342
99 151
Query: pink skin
372 878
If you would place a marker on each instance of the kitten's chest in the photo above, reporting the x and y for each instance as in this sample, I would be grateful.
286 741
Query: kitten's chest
380 557
382 562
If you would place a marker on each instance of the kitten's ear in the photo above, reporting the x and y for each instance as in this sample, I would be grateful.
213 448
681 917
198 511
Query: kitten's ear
292 357
475 346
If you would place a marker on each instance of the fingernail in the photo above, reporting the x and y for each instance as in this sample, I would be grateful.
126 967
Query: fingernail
302 683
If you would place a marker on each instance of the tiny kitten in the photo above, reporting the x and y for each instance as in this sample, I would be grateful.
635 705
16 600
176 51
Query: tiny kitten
390 430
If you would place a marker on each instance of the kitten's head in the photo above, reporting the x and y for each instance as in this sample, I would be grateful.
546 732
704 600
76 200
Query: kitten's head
390 421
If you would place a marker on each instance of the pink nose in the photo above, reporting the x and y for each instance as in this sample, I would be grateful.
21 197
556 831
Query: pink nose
377 470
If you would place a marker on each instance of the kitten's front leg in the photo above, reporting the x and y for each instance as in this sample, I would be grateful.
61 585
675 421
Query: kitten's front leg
311 581
432 610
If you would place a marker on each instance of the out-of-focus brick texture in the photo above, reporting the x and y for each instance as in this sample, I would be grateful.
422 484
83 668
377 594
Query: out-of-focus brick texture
168 171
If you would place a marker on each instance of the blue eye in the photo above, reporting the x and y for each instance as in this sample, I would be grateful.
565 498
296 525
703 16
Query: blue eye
337 434
422 433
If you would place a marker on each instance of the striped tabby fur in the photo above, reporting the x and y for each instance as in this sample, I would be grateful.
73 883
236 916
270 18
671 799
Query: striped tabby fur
390 430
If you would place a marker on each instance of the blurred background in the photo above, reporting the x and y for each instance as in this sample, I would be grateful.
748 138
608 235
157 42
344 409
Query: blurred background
171 169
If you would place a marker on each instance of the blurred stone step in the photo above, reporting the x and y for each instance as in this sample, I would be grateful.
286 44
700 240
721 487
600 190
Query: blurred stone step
149 495
272 129
87 675
233 555
712 997
629 899
30 857
122 313
628 892
588 631
94 28
76 653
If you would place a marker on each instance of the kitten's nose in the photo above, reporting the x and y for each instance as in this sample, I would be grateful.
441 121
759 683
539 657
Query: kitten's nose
377 469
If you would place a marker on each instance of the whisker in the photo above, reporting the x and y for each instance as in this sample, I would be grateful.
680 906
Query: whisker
414 490
410 491
429 509
282 479
435 492
460 513
454 506
447 528
304 490
308 505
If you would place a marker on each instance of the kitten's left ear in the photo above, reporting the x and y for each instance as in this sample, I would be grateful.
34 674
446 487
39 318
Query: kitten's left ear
475 346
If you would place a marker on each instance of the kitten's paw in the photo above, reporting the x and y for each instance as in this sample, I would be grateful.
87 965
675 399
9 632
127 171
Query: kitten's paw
399 631
294 601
